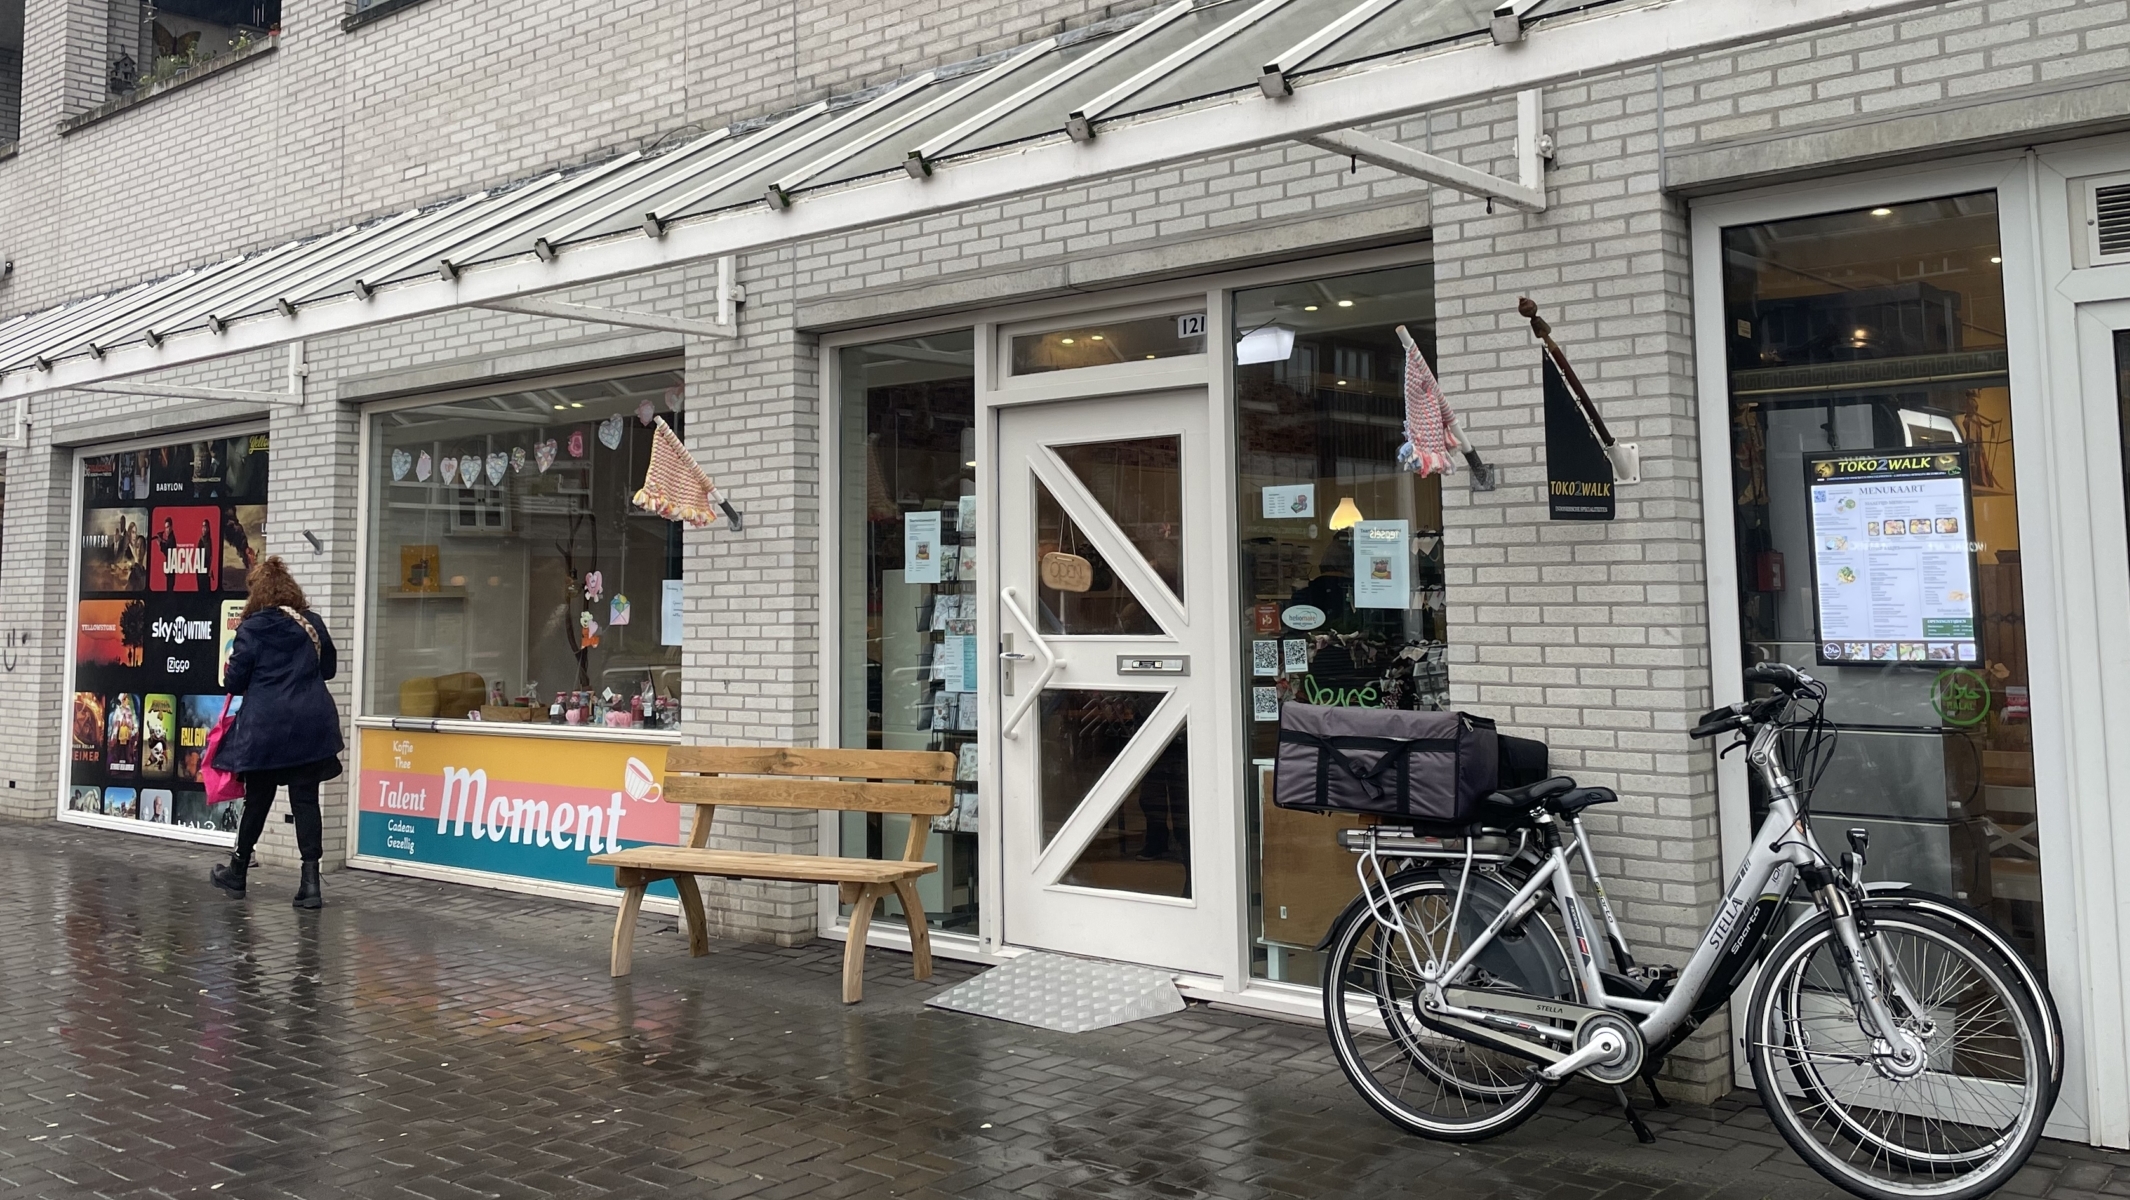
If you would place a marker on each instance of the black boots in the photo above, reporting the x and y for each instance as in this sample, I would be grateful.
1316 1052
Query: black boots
231 878
308 894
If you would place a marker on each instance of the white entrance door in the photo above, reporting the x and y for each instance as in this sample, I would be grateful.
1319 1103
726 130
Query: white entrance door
1117 843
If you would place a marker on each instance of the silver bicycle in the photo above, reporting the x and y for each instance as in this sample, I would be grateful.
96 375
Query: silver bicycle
1899 1048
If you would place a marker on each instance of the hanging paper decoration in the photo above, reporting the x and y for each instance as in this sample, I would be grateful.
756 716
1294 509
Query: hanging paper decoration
576 443
617 612
588 631
644 412
594 586
673 486
401 462
1428 434
517 460
544 454
451 470
421 467
498 462
673 398
469 470
610 432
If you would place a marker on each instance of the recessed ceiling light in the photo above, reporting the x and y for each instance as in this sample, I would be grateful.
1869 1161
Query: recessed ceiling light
576 404
1341 383
1881 212
1150 356
1308 308
970 463
1095 338
1345 304
560 407
1996 258
1067 341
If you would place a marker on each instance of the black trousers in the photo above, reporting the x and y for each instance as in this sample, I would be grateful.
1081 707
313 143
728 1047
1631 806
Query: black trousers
302 800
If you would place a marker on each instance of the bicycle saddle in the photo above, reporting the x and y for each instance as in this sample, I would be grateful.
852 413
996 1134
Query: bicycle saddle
1531 795
1571 803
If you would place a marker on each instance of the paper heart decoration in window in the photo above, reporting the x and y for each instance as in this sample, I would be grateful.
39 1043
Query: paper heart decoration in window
451 470
517 460
594 586
402 462
498 462
544 454
576 443
610 432
421 467
469 470
644 412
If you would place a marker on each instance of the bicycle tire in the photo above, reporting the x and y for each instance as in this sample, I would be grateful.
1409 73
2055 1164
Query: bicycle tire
1351 983
1985 930
1909 1153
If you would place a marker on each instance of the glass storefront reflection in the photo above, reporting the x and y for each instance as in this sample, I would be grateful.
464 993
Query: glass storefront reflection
1878 535
1319 381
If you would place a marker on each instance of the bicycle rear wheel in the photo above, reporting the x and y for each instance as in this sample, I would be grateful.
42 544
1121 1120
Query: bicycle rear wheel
1956 1128
1428 1082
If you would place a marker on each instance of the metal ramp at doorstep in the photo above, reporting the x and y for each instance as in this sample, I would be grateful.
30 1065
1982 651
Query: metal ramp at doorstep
1070 995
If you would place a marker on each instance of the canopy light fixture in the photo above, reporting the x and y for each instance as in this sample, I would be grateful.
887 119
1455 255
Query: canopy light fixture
1269 343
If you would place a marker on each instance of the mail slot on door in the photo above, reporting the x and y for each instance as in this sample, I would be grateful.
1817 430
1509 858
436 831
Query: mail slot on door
1173 664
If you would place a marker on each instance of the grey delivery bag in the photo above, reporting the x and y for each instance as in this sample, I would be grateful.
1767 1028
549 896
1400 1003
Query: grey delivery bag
1430 768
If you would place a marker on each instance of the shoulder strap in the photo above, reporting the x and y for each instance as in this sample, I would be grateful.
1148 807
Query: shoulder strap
297 617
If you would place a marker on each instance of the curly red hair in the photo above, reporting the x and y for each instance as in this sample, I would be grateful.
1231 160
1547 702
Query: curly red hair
272 587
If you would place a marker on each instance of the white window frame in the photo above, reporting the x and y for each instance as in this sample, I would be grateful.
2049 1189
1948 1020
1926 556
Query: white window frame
1215 370
2051 671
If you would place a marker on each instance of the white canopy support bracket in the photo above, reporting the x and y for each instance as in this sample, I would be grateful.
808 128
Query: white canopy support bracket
292 398
17 436
1528 193
730 295
1508 20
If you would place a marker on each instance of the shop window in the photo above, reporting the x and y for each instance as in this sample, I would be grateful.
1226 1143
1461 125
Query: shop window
10 72
510 578
1110 342
166 536
1342 596
1878 531
907 519
151 42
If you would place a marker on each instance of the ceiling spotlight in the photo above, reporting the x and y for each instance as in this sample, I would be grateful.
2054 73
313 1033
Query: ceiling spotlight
560 407
1345 304
1341 383
1996 258
1346 515
1308 308
1095 337
1067 341
576 404
1881 212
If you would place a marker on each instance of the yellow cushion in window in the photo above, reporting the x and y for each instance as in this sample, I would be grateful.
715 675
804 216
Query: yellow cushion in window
459 694
417 697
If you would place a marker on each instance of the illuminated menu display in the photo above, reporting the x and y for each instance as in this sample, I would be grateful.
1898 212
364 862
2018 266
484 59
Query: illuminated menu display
1893 563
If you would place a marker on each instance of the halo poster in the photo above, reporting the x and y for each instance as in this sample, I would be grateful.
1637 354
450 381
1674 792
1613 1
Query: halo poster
1893 562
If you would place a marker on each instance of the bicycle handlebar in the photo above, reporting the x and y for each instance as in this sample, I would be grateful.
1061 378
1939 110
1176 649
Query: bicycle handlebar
1782 676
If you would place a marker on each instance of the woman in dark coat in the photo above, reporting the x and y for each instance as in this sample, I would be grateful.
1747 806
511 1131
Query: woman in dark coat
287 734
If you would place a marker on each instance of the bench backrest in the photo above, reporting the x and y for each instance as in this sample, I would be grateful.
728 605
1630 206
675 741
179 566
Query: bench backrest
820 778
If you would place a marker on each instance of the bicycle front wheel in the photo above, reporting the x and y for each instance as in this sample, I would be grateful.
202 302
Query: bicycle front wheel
1956 1125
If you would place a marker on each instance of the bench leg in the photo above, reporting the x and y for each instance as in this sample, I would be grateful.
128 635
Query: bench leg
691 909
625 930
920 931
854 949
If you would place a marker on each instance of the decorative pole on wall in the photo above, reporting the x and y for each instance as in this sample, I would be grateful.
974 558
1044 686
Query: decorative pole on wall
1625 457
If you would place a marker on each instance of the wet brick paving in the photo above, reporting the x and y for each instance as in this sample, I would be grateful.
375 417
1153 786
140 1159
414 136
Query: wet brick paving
433 1040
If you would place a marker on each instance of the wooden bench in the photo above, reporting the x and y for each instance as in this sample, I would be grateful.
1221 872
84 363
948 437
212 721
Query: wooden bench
792 777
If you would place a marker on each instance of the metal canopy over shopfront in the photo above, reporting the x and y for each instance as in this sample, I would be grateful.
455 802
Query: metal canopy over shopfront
1187 82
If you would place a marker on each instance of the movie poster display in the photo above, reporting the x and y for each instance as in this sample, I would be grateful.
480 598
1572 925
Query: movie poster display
167 535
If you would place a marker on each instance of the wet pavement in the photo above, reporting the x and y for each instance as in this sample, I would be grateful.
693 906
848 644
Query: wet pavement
434 1040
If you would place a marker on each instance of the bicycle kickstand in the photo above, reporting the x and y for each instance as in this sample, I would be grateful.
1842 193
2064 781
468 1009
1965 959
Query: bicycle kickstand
1641 1131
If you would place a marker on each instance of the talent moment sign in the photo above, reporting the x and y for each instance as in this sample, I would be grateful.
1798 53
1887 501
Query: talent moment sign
522 807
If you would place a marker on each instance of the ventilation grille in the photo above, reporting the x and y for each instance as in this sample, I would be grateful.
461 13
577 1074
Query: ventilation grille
2111 220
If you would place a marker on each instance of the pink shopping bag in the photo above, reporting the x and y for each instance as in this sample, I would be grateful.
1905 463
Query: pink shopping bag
221 785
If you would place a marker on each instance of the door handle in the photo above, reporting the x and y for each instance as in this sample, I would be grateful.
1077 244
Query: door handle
1011 602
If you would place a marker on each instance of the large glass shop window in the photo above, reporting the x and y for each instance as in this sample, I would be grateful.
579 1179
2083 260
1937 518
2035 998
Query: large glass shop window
167 536
1878 531
907 516
1341 591
510 576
